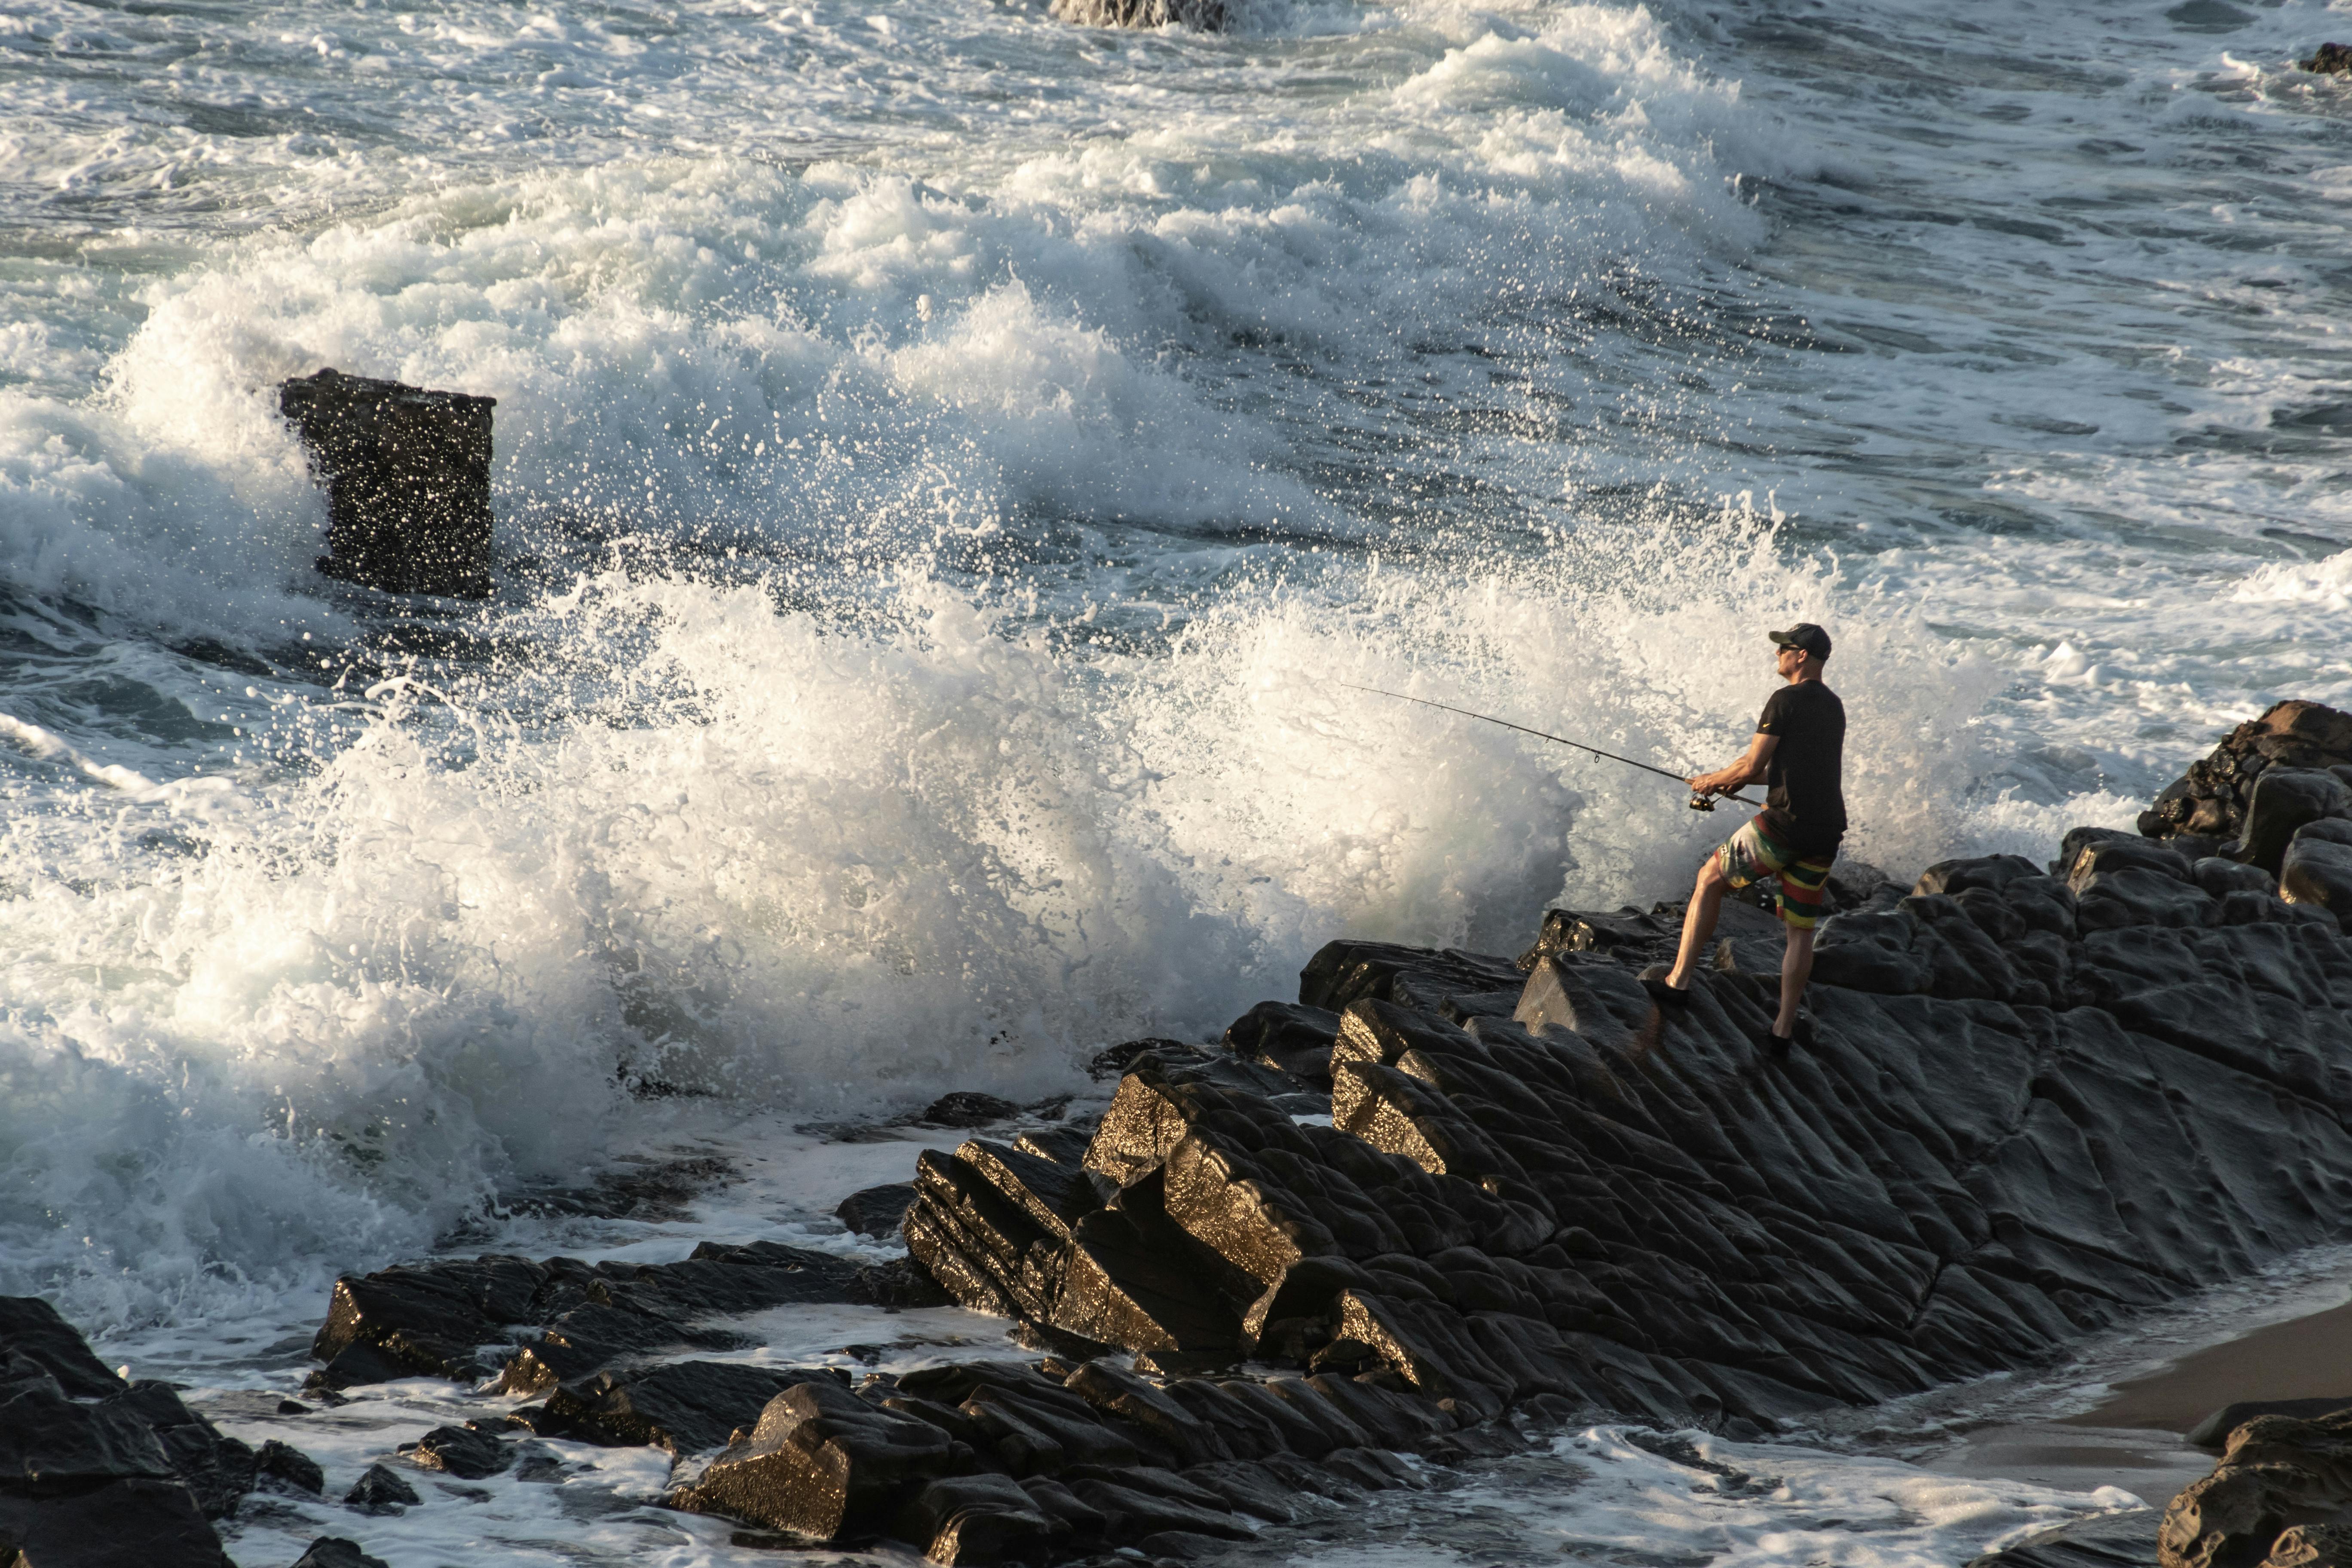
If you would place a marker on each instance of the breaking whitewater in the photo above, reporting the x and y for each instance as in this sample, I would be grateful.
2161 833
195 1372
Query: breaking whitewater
951 467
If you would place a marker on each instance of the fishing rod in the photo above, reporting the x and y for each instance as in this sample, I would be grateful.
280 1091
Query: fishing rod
1697 802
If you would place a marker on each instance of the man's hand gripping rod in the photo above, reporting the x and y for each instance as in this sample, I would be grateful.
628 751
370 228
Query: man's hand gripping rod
1697 802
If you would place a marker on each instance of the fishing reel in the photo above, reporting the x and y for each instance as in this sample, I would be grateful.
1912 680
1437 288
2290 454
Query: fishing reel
1701 800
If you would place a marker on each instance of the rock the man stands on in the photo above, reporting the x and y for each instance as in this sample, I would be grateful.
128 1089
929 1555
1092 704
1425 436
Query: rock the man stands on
1798 751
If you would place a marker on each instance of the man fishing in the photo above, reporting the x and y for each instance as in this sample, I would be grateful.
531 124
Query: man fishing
1798 751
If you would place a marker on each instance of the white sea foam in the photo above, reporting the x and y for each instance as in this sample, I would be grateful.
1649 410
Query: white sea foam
1783 1504
2325 584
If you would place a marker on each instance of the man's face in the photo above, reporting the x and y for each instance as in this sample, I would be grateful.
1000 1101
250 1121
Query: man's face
1788 661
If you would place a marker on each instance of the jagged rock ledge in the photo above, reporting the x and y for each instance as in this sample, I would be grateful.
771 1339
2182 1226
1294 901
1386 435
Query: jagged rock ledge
1446 1198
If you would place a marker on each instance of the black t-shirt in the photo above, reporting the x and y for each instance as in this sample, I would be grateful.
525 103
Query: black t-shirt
1804 809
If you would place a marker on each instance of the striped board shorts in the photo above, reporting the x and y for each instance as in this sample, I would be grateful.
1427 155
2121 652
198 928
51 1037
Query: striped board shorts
1750 855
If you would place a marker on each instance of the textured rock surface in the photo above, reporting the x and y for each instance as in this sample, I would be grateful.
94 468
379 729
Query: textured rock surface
2214 799
95 1472
408 475
2280 1493
461 1318
378 1490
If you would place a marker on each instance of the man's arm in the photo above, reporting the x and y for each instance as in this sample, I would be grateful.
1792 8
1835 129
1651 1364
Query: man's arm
1747 770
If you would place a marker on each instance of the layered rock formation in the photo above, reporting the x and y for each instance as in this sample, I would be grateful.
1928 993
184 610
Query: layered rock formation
1439 1188
436 1320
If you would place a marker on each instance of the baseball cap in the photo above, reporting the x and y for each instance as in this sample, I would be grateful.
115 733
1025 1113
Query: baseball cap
1806 637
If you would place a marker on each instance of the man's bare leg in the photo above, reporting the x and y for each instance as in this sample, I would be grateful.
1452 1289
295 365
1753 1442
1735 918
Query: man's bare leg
1796 968
1699 924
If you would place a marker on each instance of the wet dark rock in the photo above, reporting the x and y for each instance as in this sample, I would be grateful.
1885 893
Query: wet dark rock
460 1451
2329 60
969 1108
1133 1278
378 1490
460 1303
2317 871
2219 878
285 1467
335 1551
115 1476
1988 872
1289 1037
1137 1512
1062 1145
876 1211
1105 1386
1345 971
49 1443
631 1188
902 1283
31 1328
685 1407
1085 1526
408 476
129 1523
821 1462
980 1518
1113 1060
1627 930
354 1366
2213 797
2284 800
435 1319
217 1469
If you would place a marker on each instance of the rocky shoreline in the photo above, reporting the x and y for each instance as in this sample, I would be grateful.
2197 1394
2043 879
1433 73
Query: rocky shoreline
1440 1201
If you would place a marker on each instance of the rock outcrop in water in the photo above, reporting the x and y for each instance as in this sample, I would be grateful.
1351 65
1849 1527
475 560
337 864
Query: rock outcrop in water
1459 1197
433 1320
1200 16
2329 59
408 475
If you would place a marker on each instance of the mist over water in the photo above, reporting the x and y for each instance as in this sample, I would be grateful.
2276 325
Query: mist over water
950 468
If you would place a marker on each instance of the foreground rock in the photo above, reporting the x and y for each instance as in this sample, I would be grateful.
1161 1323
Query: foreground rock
408 475
2282 1495
98 1473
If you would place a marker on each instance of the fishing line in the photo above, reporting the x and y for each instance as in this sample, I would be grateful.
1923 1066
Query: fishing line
1697 802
